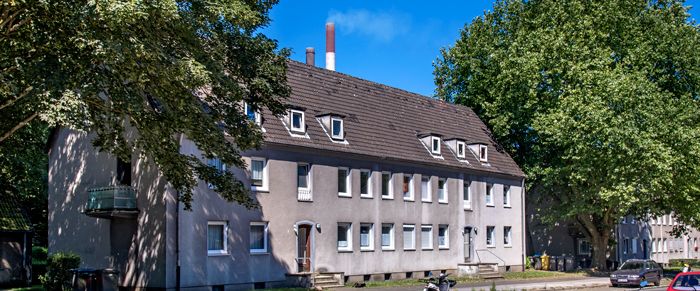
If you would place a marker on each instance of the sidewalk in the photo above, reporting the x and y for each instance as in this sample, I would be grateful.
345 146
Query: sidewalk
518 285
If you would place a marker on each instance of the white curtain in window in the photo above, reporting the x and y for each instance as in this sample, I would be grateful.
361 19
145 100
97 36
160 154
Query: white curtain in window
342 236
257 169
426 237
386 235
257 237
408 238
215 235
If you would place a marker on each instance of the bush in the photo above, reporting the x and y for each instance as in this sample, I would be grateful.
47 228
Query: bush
58 274
695 264
39 255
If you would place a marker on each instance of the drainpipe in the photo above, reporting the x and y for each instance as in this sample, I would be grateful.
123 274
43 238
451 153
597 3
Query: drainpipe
523 231
177 234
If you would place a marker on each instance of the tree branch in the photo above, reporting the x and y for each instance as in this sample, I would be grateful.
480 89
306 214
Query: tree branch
17 127
20 96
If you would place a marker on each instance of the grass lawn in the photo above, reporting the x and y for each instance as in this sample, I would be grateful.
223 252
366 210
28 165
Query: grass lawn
537 274
31 288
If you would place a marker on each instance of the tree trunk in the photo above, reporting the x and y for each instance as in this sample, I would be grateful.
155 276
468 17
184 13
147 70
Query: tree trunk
599 234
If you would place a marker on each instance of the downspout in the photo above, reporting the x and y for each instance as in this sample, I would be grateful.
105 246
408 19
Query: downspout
522 208
177 233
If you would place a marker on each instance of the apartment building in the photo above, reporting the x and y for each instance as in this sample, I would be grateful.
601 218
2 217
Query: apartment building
665 247
358 181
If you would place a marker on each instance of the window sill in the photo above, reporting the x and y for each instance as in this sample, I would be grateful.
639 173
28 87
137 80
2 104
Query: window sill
388 249
491 246
259 253
366 250
508 246
260 190
423 249
427 201
490 205
507 206
444 248
387 197
443 202
411 250
343 195
344 251
468 209
217 254
366 196
409 199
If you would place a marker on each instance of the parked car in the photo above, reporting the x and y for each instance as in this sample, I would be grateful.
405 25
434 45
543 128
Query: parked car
633 272
685 281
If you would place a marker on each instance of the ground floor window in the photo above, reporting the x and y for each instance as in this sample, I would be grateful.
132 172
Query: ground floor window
216 237
507 236
584 247
258 237
344 235
490 236
366 236
443 236
387 236
409 237
426 237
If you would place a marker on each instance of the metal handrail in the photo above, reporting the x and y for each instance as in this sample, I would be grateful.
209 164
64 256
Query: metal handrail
487 250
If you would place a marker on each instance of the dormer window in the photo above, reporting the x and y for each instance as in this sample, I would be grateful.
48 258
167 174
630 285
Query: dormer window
461 150
296 121
483 153
337 131
435 145
252 115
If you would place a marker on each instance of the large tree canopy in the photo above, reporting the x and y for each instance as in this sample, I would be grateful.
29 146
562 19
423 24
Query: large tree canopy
164 68
596 100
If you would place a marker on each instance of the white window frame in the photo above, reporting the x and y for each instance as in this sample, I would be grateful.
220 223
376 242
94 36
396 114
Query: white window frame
634 245
348 183
413 236
302 128
446 244
483 153
489 194
491 235
348 237
224 238
508 236
463 147
506 196
369 184
308 176
218 165
665 246
265 180
433 150
429 189
467 186
653 245
340 136
369 247
390 187
257 117
392 242
430 236
445 193
265 237
580 246
411 191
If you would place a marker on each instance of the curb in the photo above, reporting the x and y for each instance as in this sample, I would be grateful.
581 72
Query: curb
576 287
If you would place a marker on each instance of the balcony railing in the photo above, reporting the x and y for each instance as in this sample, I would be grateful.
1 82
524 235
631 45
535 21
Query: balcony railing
113 201
304 194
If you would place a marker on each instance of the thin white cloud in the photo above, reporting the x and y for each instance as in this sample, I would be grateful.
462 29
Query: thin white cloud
380 26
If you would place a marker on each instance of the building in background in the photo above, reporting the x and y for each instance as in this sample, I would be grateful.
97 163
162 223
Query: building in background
15 244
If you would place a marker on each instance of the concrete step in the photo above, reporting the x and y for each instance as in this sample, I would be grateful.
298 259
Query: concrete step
491 276
322 281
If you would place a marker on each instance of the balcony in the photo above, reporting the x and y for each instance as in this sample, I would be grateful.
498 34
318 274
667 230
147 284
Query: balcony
304 194
111 202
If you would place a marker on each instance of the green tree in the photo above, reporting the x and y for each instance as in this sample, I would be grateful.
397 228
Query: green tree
163 68
596 100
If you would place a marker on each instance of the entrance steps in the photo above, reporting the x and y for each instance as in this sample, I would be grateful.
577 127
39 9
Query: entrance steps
327 280
489 271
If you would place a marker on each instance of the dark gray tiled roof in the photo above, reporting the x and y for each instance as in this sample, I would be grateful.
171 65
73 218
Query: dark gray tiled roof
382 121
12 217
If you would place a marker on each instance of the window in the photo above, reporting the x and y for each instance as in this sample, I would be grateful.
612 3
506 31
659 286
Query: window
489 195
297 121
366 236
623 220
408 187
425 189
258 237
123 172
660 248
584 247
490 236
252 115
461 152
435 145
626 246
218 165
344 236
653 245
665 246
258 174
506 196
409 237
443 236
216 237
426 237
467 194
442 190
387 236
365 184
634 245
387 186
337 131
507 236
303 176
344 182
483 153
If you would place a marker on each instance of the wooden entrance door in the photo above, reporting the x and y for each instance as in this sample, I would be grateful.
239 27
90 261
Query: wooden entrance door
304 248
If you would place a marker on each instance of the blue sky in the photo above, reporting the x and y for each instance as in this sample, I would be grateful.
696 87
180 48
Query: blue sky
389 42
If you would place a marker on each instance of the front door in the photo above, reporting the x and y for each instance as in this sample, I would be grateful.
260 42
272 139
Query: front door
304 248
467 244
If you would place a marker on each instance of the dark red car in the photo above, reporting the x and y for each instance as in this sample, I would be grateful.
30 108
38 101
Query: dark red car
685 281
